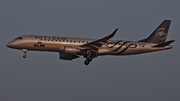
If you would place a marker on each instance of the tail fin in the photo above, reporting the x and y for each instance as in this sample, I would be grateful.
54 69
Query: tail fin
160 33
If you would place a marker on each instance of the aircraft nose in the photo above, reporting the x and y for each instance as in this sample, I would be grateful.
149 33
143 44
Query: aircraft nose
10 44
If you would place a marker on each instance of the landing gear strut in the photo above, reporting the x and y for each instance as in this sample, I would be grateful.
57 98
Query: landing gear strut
25 52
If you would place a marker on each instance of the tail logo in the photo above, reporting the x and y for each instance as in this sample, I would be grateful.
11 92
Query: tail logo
161 33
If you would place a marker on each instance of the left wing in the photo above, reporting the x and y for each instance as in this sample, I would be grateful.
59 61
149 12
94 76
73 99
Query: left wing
95 45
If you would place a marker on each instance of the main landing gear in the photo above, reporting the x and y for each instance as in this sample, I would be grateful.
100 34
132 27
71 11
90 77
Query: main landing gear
25 52
89 58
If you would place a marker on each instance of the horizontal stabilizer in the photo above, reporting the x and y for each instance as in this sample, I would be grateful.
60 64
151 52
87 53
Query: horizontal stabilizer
164 44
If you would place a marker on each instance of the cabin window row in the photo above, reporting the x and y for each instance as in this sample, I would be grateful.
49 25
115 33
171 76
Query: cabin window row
60 39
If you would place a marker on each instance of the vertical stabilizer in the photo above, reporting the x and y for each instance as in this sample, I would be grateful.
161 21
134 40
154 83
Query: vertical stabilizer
160 33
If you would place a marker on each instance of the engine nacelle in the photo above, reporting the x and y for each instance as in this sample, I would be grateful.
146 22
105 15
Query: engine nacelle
70 50
65 56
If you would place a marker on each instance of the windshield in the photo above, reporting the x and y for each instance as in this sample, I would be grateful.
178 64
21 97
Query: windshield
18 38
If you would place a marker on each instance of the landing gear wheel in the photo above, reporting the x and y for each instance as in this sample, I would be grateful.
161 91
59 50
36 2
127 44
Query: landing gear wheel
86 62
24 56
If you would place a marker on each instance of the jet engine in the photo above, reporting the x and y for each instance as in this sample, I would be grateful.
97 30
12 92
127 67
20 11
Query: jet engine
70 50
65 56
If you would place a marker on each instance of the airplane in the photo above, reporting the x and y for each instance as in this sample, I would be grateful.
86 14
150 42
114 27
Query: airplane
70 48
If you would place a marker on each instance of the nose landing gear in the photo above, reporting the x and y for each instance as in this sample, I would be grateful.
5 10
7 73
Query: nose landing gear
25 52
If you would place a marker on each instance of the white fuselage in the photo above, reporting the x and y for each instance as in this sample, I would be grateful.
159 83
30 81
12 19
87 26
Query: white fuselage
56 44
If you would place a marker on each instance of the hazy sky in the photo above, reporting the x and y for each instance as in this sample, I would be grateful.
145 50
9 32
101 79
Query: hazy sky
42 76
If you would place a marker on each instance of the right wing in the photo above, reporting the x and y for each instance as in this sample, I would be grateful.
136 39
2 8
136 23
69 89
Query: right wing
95 45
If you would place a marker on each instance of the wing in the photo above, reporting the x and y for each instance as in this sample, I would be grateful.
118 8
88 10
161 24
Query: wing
95 45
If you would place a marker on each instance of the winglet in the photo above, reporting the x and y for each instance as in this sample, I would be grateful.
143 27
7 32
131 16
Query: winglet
110 36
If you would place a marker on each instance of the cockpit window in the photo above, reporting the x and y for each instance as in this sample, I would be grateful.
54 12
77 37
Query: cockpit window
18 38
